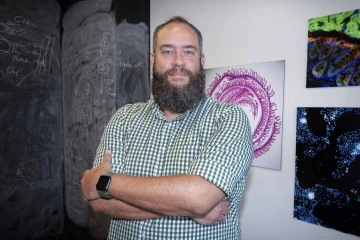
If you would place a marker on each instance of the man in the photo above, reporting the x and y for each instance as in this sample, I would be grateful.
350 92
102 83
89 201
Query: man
180 160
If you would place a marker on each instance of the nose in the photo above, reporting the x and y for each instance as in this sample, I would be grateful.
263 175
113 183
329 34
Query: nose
178 60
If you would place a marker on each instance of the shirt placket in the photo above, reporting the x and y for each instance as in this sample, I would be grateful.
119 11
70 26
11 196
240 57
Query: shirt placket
166 133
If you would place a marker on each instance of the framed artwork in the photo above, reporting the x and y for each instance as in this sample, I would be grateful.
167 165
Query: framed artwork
258 89
333 57
327 179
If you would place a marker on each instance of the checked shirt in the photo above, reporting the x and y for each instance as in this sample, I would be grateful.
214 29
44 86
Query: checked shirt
212 140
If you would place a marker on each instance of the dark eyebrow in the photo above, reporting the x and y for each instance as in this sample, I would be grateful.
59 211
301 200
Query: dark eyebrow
172 46
190 46
166 46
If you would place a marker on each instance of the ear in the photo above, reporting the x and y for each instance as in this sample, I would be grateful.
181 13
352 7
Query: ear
202 60
152 58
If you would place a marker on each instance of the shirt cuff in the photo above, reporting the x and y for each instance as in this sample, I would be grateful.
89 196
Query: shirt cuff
214 172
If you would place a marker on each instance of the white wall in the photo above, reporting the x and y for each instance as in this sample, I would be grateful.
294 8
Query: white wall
249 31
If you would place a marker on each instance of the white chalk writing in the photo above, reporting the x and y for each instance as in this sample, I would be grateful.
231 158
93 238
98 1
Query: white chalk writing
11 70
138 64
11 28
124 64
127 64
17 58
22 20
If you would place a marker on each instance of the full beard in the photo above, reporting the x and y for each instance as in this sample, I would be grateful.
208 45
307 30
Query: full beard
178 98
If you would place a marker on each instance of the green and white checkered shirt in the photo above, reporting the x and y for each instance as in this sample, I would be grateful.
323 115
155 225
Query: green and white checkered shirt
212 140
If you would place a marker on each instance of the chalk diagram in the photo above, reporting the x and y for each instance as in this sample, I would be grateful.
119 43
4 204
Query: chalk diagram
86 35
45 55
95 83
4 45
89 99
89 95
104 66
105 43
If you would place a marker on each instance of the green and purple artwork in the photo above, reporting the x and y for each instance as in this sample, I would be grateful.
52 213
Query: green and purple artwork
327 167
258 90
333 58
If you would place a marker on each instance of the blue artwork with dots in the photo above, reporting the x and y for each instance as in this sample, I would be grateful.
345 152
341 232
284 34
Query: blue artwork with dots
327 169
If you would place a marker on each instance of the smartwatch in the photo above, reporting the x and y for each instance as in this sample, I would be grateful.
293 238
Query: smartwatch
103 185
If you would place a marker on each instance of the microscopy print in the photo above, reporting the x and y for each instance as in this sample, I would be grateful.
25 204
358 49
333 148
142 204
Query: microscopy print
327 179
334 50
258 89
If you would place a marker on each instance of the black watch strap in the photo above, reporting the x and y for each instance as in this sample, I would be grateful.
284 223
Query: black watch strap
103 191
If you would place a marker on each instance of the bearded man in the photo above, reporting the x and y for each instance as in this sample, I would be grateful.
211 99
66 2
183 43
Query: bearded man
176 166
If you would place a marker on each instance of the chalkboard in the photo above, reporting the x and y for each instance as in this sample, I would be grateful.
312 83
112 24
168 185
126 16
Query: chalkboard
88 72
31 159
134 11
132 69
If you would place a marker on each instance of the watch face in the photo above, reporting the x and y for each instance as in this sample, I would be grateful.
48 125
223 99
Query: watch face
103 183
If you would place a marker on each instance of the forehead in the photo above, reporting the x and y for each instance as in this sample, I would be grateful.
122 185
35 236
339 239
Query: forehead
177 33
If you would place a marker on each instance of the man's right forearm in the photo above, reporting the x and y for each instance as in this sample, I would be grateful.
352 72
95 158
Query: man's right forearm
122 210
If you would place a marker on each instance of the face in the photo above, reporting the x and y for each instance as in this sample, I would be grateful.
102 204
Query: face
177 48
178 78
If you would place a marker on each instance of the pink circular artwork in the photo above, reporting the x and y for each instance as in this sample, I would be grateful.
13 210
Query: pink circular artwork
252 92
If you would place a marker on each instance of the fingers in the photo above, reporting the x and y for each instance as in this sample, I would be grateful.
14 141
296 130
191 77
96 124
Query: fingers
221 218
107 160
90 178
225 203
224 211
227 211
225 207
107 157
81 186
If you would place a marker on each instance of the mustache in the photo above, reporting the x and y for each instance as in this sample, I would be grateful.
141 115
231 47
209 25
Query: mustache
176 69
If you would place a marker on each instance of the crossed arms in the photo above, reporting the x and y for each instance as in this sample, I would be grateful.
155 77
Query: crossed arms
191 195
140 198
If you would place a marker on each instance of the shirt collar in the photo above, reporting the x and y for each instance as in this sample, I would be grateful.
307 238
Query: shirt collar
160 114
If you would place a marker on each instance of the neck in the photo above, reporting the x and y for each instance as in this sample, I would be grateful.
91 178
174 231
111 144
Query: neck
170 115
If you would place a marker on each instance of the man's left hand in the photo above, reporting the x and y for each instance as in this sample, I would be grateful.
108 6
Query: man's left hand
216 215
91 177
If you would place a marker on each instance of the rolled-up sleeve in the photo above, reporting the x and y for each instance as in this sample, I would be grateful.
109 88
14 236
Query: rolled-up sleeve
225 159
